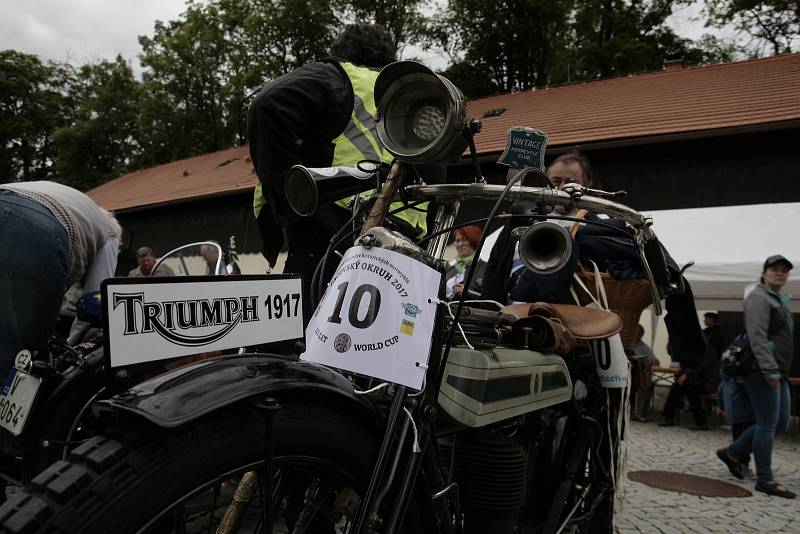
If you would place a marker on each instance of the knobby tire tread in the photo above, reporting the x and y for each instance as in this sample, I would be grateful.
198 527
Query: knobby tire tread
115 473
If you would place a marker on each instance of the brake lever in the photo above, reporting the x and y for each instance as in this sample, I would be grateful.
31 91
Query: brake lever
576 191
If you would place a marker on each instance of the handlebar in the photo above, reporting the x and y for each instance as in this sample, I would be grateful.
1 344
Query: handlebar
554 197
576 196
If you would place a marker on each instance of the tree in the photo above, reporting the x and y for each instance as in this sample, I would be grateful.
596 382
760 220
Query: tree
403 19
202 69
771 24
101 141
33 102
615 37
182 109
512 44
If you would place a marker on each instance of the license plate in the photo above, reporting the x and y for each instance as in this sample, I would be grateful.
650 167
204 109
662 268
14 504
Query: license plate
16 400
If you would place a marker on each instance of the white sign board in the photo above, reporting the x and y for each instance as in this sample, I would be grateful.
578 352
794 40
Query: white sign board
376 317
159 318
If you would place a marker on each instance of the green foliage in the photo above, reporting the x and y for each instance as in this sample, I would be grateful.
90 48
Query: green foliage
33 103
86 125
615 37
403 19
514 44
773 25
202 69
100 142
522 44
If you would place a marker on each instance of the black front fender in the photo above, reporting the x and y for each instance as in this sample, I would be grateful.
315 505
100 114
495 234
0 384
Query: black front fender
191 392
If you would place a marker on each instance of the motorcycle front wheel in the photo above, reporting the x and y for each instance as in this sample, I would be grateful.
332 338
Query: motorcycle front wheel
148 481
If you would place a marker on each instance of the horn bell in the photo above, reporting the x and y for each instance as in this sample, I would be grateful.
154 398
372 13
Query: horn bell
545 247
309 188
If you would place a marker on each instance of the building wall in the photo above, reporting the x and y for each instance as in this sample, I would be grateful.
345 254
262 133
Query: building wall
720 171
167 227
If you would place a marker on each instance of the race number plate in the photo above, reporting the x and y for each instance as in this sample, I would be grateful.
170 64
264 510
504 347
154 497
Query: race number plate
16 400
150 319
376 317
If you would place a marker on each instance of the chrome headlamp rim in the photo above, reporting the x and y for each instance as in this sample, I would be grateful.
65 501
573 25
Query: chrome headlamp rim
391 83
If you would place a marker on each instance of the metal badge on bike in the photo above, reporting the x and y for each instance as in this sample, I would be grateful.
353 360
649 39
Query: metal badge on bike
524 148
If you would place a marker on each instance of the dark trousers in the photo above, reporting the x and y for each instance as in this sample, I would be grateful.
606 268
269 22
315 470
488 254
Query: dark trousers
34 261
308 239
738 429
692 391
771 408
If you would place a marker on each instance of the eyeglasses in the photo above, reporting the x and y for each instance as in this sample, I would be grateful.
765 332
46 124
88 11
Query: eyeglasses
461 240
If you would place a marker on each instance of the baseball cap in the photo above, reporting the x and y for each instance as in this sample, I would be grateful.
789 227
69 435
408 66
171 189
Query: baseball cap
776 259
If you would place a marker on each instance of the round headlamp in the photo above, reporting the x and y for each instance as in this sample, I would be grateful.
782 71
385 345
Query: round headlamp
421 115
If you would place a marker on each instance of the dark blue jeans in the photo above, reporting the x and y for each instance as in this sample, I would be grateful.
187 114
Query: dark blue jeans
771 407
34 262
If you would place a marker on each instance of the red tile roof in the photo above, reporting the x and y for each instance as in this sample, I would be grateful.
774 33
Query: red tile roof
218 173
728 95
756 93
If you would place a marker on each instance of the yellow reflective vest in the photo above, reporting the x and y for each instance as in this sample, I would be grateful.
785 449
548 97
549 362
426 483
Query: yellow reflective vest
359 141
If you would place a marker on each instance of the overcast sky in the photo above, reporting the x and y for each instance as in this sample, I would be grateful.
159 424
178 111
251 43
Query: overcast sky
79 31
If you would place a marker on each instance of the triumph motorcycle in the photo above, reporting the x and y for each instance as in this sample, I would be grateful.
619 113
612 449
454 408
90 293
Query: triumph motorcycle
404 413
44 405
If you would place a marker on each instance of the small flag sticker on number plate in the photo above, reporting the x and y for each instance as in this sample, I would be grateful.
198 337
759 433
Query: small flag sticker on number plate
407 327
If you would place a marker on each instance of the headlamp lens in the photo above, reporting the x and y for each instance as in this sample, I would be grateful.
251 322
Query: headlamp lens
428 122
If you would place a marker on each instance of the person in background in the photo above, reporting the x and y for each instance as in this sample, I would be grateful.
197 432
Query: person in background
644 392
712 332
693 383
466 240
733 400
572 167
146 261
769 324
51 236
505 279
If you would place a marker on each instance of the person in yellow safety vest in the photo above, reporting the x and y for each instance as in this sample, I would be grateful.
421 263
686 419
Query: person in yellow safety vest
320 115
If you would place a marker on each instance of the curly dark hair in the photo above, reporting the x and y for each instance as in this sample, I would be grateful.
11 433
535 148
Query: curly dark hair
368 45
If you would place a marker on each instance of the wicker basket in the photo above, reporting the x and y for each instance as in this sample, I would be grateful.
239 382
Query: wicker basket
626 298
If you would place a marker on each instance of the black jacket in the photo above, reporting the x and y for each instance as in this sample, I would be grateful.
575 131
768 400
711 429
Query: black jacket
294 120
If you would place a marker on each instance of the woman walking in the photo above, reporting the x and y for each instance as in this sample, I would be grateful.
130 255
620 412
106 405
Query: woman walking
769 326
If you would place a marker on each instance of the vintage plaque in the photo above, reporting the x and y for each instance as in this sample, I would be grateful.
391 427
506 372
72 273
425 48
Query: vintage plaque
524 148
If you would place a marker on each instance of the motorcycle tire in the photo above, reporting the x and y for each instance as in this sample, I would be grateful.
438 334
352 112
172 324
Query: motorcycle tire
145 480
54 432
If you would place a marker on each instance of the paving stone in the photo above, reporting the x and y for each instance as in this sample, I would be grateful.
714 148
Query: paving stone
680 450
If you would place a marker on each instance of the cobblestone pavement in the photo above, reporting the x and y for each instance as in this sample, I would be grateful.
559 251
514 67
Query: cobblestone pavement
681 450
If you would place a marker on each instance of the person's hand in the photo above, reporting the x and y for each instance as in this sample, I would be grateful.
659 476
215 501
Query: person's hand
681 379
458 289
773 379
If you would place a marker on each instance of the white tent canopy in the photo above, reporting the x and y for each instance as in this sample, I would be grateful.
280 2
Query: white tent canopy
729 245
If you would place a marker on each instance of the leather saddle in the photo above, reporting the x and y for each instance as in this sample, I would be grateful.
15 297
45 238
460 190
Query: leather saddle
584 324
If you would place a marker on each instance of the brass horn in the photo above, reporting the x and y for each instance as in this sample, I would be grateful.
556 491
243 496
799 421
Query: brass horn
309 188
545 247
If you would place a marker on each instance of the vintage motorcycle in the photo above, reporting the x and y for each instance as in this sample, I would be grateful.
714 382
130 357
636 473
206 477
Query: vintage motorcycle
44 408
478 431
